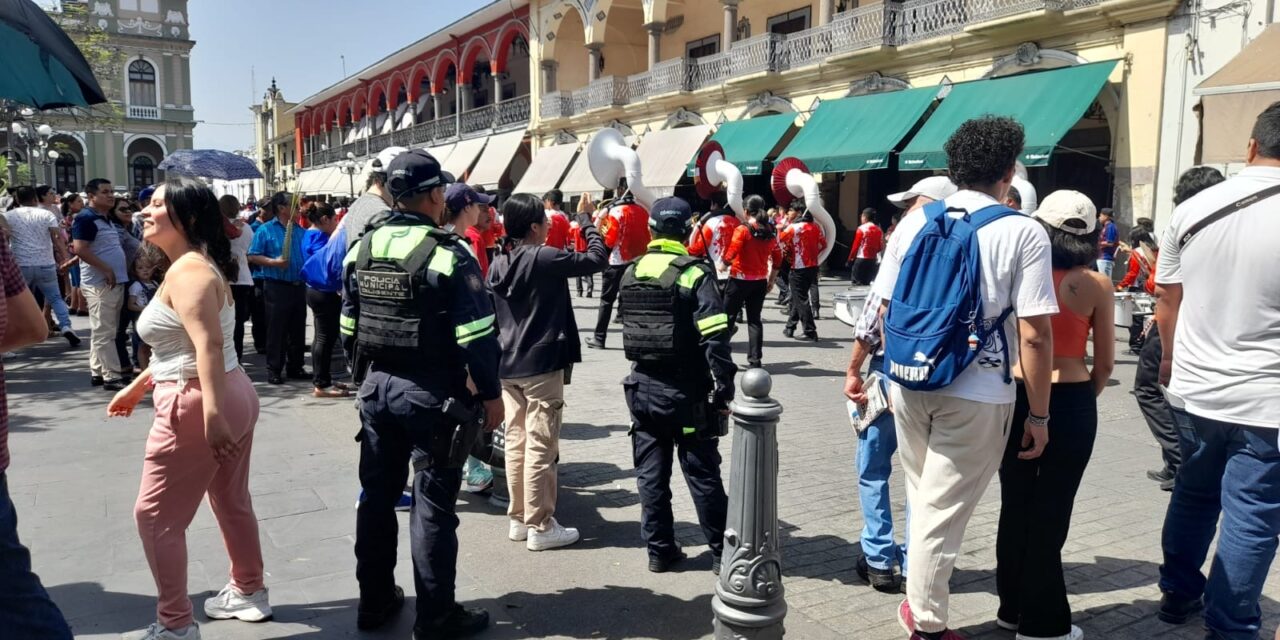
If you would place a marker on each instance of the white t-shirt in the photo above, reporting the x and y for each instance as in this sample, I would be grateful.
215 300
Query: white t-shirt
1226 346
32 245
1017 271
240 249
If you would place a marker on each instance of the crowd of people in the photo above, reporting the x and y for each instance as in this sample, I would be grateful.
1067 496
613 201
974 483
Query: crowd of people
989 334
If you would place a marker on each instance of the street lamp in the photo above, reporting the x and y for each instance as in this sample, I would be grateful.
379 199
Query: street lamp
350 167
35 139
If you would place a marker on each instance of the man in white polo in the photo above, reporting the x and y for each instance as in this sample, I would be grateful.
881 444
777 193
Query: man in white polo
1222 360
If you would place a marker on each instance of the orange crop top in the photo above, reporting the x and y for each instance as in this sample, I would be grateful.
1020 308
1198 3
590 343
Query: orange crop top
1070 329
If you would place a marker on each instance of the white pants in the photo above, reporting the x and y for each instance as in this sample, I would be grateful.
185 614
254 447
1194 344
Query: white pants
105 304
950 448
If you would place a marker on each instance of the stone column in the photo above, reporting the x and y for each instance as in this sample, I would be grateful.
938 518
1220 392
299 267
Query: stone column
655 42
826 9
730 24
497 87
549 75
437 105
748 602
593 61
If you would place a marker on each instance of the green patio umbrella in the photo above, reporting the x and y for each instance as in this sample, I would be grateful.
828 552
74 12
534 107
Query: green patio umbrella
39 64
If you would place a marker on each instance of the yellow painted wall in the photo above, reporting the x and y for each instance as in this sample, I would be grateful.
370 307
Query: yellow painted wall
571 53
626 44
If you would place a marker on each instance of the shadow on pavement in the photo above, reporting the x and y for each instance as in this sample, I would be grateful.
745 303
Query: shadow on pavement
609 613
798 369
581 431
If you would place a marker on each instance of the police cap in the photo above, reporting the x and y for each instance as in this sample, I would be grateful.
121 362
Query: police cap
413 172
670 216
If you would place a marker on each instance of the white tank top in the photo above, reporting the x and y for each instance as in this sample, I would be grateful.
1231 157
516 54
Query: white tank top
173 355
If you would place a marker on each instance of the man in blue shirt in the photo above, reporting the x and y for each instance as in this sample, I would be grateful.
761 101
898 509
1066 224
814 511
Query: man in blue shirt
284 296
103 276
1108 240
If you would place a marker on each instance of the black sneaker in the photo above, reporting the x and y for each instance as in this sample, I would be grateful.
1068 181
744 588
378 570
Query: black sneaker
73 340
790 333
593 343
882 580
663 564
275 378
459 623
95 381
371 616
754 364
113 385
715 563
1177 610
810 337
1164 476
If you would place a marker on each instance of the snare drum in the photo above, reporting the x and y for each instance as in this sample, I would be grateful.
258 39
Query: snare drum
848 303
1125 307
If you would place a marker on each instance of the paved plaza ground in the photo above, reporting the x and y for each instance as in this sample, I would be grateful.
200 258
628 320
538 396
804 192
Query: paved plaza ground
75 476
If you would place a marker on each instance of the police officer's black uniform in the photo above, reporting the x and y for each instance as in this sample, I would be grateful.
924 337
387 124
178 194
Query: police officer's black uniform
417 320
676 333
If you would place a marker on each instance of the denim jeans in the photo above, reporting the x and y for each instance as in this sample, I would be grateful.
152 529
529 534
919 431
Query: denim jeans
1105 267
45 280
876 447
25 608
1233 472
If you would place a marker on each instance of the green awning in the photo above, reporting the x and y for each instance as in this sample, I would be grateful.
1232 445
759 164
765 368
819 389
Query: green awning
1047 103
859 133
748 143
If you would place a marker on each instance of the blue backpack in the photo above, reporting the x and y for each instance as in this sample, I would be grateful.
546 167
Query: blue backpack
934 327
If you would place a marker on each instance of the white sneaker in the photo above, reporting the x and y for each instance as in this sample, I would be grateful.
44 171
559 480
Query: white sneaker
554 537
518 531
157 632
230 603
1076 634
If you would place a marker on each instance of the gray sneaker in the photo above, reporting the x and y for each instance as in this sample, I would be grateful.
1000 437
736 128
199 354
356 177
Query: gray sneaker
230 603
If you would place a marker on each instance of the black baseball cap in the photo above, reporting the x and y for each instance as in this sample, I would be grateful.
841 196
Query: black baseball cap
670 216
413 172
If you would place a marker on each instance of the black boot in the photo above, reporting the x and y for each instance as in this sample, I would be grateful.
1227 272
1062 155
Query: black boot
459 623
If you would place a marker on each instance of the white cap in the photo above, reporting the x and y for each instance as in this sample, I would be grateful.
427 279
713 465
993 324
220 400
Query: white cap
1027 192
933 187
384 158
1069 211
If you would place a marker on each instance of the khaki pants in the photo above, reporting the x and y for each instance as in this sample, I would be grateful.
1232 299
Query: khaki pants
950 448
105 304
533 411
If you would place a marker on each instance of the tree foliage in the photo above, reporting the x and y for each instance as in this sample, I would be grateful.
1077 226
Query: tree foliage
104 58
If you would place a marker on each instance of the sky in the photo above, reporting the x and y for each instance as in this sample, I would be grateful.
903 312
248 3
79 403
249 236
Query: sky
242 44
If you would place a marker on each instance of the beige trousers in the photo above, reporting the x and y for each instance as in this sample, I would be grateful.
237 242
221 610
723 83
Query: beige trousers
105 304
533 410
950 448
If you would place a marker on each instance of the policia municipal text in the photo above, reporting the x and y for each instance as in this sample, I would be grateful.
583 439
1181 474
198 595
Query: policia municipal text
676 333
417 323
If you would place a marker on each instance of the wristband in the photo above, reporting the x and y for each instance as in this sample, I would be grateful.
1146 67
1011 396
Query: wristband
1037 421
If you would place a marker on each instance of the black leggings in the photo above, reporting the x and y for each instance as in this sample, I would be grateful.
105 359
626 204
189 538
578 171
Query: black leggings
243 296
325 309
748 294
1036 498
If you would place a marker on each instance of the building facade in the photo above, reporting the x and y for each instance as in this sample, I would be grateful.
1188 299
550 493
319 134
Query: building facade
464 92
149 92
1204 36
274 141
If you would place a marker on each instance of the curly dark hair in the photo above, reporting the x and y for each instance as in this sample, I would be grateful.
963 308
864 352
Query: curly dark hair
195 207
984 150
1193 181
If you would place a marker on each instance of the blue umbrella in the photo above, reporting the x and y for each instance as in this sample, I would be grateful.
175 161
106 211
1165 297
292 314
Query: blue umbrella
210 163
39 65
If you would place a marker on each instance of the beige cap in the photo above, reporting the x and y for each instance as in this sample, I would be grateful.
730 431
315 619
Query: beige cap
1069 211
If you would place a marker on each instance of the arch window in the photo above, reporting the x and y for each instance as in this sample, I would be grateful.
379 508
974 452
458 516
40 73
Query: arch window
66 175
142 84
144 171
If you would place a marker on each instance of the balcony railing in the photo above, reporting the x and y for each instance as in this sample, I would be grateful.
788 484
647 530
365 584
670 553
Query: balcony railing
512 113
144 113
480 119
881 25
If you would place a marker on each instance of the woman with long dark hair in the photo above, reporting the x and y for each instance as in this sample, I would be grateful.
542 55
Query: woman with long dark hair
206 409
325 305
1037 495
753 259
72 205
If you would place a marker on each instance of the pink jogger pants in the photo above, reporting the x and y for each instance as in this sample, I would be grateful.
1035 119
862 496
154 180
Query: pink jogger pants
177 472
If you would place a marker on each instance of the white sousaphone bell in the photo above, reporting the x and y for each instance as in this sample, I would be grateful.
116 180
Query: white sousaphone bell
791 179
713 171
610 158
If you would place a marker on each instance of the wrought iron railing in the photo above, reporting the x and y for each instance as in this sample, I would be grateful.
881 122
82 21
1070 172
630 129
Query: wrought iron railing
446 127
480 119
756 54
609 91
708 71
556 104
422 133
668 76
512 113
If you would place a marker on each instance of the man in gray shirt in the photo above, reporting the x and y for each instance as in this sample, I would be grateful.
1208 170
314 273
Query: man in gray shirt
103 276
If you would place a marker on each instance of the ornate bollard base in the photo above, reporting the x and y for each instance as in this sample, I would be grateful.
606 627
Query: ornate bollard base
764 623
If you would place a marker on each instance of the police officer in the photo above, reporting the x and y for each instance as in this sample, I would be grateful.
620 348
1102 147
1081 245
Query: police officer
417 322
676 333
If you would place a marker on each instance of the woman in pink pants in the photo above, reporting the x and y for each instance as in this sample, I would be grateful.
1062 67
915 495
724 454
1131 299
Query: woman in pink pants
206 409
